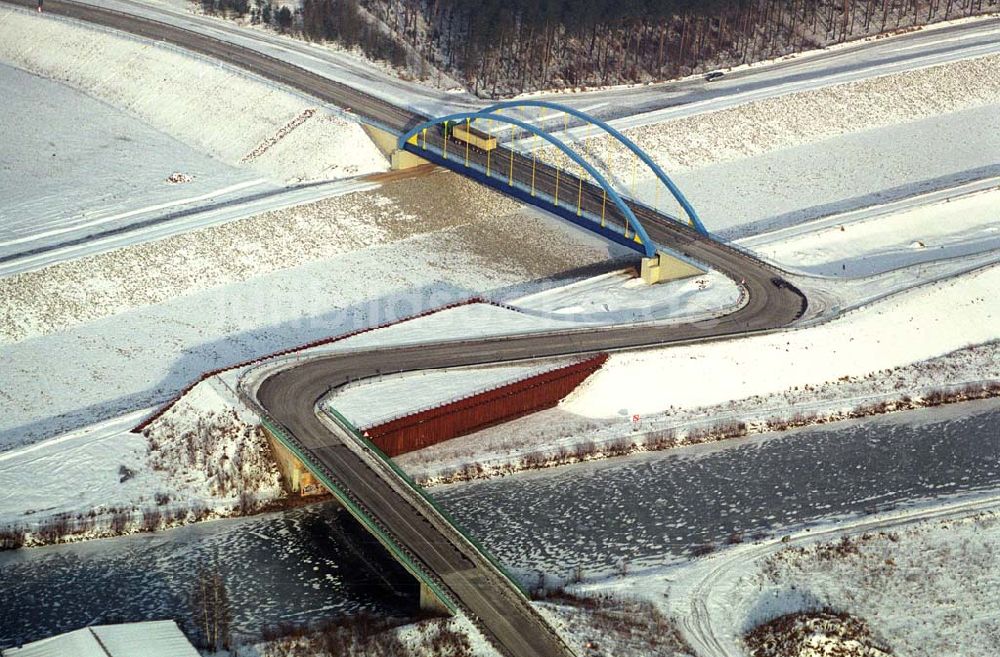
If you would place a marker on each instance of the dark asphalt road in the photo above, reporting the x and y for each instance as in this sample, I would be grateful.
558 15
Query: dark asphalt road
289 396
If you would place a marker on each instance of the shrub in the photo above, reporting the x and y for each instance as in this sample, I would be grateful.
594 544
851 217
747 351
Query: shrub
703 549
12 537
125 473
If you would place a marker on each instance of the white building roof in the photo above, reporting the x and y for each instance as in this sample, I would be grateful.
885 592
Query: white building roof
148 639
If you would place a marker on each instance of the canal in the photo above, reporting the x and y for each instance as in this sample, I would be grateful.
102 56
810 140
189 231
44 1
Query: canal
313 563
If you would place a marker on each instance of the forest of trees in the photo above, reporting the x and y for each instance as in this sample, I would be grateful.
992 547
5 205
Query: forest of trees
504 47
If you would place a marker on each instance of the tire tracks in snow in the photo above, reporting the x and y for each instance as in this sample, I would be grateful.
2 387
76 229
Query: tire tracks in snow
712 588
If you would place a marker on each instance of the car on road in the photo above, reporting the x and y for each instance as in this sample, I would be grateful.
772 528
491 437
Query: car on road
713 75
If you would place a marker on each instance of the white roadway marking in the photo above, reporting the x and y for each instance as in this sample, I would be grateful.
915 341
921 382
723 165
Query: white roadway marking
131 213
208 217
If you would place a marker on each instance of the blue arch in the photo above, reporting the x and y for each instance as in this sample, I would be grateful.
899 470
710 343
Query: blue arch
647 244
631 145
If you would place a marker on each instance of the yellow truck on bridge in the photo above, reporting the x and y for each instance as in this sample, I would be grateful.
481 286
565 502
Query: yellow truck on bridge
476 138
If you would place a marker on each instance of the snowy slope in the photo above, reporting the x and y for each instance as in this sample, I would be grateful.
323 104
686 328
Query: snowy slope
909 327
215 108
780 161
791 185
923 579
601 301
126 329
60 183
812 115
881 239
152 112
204 458
620 297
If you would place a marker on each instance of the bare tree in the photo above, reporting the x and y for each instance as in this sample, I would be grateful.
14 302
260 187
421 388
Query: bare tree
210 607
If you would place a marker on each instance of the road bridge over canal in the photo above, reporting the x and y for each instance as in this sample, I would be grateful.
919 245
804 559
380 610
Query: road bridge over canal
450 566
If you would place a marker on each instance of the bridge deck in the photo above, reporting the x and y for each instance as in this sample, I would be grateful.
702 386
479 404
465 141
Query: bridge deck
464 574
290 396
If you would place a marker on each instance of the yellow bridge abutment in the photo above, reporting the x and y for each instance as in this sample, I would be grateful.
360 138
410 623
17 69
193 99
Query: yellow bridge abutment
294 474
386 142
430 603
666 266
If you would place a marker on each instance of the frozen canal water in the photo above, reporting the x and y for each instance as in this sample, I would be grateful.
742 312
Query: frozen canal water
298 566
303 565
648 509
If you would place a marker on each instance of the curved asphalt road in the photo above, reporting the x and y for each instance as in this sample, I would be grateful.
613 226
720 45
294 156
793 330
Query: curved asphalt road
289 396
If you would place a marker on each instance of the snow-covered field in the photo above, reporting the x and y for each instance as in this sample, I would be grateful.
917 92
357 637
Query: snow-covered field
614 298
555 437
451 637
907 328
219 110
944 573
883 238
600 409
620 298
893 350
771 124
202 459
61 183
781 161
140 355
90 458
123 330
602 626
230 135
843 173
85 289
923 580
125 387
84 353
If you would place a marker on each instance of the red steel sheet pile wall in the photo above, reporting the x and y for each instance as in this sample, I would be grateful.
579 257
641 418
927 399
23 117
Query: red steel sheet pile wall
482 410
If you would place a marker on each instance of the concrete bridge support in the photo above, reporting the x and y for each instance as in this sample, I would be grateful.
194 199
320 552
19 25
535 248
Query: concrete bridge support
295 475
430 603
386 142
666 266
299 479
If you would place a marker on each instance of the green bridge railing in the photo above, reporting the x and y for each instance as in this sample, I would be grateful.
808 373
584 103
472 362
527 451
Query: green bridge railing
349 426
342 496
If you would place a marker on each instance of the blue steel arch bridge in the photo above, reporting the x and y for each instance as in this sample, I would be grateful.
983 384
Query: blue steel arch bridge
467 142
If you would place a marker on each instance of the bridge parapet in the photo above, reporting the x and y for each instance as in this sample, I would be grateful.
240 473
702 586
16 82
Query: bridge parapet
433 596
479 155
658 171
